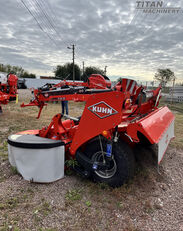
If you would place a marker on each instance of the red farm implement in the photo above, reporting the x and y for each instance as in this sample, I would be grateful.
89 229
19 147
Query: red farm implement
8 88
94 81
113 122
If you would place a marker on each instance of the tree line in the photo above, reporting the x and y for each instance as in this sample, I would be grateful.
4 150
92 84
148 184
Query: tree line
61 71
66 71
19 71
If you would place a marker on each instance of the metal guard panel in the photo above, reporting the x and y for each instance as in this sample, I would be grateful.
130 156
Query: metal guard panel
153 126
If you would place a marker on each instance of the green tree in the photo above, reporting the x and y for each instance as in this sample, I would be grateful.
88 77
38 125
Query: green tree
25 74
2 67
93 70
19 71
9 68
164 76
66 71
119 79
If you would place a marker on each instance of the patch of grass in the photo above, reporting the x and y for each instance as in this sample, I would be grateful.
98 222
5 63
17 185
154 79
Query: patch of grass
126 188
25 197
14 170
12 202
177 109
9 226
2 179
43 210
16 229
2 206
119 204
103 186
69 172
4 146
73 195
178 141
4 151
88 203
30 190
4 227
71 163
36 216
4 156
5 215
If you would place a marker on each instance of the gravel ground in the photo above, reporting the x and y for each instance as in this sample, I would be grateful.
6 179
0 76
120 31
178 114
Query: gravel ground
151 201
24 94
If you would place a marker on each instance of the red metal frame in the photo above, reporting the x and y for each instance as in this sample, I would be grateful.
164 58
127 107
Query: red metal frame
95 81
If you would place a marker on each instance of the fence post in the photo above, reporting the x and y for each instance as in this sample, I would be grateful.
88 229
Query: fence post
173 89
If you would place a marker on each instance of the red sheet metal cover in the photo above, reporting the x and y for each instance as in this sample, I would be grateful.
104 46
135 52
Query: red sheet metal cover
153 126
157 123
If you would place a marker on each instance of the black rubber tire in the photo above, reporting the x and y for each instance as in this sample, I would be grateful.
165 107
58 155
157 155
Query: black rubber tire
124 162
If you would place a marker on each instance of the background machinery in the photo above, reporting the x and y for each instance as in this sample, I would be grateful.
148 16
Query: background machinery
8 88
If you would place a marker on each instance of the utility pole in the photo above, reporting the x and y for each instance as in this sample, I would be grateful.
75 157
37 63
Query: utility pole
73 56
73 52
83 67
105 70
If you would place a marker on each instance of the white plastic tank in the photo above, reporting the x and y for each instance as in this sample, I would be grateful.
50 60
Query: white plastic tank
37 159
3 78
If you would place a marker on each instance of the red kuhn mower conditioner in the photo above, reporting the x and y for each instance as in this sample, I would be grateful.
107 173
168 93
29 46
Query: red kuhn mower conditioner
113 122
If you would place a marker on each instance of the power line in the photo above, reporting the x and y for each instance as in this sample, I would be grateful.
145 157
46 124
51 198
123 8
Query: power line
49 7
46 27
42 20
47 17
53 16
37 22
50 21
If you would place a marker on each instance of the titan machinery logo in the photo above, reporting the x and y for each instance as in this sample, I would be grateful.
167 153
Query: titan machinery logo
102 110
153 7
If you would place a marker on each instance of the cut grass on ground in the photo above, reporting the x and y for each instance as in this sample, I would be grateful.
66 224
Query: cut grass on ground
177 109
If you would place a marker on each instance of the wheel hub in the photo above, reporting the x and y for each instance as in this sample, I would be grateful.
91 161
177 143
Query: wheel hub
111 169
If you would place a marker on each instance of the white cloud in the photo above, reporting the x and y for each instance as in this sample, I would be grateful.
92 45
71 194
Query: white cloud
106 32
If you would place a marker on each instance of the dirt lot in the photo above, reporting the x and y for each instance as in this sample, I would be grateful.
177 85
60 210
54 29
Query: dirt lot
151 201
